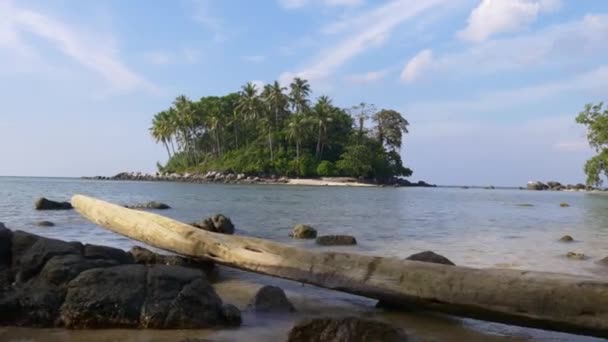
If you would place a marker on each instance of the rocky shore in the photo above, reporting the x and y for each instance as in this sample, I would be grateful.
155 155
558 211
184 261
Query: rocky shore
557 186
231 178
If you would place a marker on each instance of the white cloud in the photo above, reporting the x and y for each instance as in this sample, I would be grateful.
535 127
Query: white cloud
254 58
564 43
418 64
82 49
493 17
367 77
259 85
366 31
295 4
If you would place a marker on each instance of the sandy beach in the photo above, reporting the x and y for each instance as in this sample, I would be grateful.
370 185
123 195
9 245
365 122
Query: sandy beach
327 182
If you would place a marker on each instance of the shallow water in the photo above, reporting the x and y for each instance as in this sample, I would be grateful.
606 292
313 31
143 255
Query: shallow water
472 227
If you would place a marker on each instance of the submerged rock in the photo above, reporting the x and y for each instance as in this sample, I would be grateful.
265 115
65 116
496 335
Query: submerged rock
45 224
336 240
429 256
216 224
46 204
564 205
271 299
351 329
149 205
525 205
303 231
566 238
577 256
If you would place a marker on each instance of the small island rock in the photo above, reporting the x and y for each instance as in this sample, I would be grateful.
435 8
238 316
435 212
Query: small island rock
46 204
302 231
216 224
271 299
336 240
566 238
352 329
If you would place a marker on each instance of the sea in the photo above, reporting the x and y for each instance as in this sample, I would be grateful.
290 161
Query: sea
483 228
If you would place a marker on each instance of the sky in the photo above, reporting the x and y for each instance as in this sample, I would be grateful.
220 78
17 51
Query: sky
490 88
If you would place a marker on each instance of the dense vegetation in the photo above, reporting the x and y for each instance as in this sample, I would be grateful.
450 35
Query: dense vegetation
279 131
595 117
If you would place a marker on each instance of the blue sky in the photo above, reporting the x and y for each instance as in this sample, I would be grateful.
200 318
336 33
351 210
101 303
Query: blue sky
490 88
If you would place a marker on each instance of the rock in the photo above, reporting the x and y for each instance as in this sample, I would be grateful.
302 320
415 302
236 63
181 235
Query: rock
537 186
302 231
216 224
232 314
564 205
336 240
566 238
346 329
580 186
603 262
108 253
45 204
146 257
45 224
149 205
554 185
271 299
576 256
429 256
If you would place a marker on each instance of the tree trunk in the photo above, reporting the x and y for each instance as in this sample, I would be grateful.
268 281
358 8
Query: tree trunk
167 147
537 299
270 142
319 144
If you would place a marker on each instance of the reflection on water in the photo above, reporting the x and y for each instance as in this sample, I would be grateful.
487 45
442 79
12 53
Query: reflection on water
475 227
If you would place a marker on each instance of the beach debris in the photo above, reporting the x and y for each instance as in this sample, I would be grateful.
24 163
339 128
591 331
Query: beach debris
576 256
498 295
271 299
566 238
429 256
45 224
303 231
336 240
52 283
46 204
564 205
149 205
352 329
216 224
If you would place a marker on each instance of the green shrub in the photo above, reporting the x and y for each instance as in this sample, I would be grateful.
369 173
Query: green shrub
326 169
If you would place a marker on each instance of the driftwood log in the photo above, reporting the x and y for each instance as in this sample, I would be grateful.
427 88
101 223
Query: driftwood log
543 300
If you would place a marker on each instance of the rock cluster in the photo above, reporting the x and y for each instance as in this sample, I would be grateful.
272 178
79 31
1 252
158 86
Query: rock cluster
52 283
557 186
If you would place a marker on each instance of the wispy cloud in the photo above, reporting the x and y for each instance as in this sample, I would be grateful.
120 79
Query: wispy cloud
365 31
80 48
493 17
295 4
203 14
367 77
417 65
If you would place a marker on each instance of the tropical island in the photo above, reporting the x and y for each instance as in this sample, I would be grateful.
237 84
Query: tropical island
280 131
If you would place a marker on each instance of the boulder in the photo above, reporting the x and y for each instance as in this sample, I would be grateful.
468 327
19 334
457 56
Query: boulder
149 205
576 256
336 240
271 299
566 238
232 314
346 329
45 224
302 231
216 224
46 204
429 256
537 186
603 262
564 205
144 256
108 253
553 185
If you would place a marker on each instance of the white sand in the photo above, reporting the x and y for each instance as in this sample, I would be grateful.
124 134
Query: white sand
325 182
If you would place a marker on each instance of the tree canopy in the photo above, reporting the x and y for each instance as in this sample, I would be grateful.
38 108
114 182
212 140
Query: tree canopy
280 131
595 118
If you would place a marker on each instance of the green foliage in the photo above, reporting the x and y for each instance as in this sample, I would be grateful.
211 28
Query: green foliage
279 131
595 118
327 169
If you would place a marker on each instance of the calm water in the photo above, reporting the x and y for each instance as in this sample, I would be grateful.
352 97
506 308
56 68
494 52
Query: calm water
473 227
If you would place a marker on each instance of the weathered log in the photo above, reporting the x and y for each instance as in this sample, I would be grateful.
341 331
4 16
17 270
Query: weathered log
543 300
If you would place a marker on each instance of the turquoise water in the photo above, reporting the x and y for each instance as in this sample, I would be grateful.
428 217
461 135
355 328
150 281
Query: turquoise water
472 227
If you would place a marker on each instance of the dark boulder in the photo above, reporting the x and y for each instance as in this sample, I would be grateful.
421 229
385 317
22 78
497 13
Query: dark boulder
566 238
216 224
271 299
45 204
232 314
149 205
147 257
45 224
537 186
346 329
336 240
564 205
429 256
108 253
303 231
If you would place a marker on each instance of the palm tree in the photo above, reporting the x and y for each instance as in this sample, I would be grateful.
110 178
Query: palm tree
298 95
161 130
297 131
276 103
321 116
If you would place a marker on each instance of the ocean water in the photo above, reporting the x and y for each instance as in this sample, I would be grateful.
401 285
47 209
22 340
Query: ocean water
472 227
